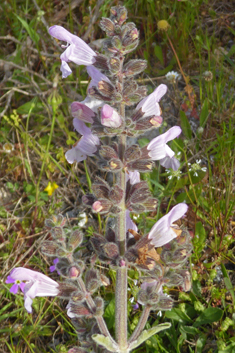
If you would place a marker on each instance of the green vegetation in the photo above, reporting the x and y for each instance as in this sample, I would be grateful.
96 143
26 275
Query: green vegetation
37 182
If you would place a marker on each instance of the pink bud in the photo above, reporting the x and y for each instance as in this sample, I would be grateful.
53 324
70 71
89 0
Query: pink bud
109 117
97 207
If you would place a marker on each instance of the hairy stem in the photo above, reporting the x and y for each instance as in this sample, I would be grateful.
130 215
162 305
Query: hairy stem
91 304
121 274
141 324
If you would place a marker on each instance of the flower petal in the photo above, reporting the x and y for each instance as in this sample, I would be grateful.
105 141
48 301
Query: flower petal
161 233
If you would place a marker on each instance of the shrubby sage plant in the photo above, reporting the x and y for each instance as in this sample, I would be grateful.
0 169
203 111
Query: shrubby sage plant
113 88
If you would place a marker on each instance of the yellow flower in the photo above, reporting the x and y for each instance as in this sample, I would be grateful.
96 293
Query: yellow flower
51 187
163 25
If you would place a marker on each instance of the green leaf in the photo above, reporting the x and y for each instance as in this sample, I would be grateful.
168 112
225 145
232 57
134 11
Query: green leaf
105 342
208 316
146 334
109 314
25 108
190 330
31 32
158 53
204 113
178 315
197 289
185 125
201 343
200 237
227 282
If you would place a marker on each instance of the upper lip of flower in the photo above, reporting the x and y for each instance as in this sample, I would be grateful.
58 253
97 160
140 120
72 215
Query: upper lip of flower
78 51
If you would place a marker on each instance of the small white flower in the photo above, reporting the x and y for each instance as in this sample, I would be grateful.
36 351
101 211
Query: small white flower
195 167
173 174
173 76
82 219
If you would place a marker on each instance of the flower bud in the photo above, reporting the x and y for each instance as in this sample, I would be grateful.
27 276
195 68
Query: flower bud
88 199
132 153
139 192
114 65
105 280
132 99
164 303
76 238
116 43
92 280
110 117
130 86
58 233
101 206
93 92
54 221
99 303
107 152
116 194
80 310
66 289
101 188
49 248
111 250
101 62
108 26
148 123
141 165
142 297
134 67
78 296
74 272
115 165
106 89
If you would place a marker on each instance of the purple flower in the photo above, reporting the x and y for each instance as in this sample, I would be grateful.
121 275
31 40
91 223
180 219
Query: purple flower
78 51
82 112
162 233
110 117
37 285
86 146
53 268
149 104
159 150
17 284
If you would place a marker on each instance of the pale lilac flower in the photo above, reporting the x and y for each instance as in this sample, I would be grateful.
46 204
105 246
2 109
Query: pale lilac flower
162 233
82 112
134 177
159 150
37 285
149 104
110 117
86 146
78 51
